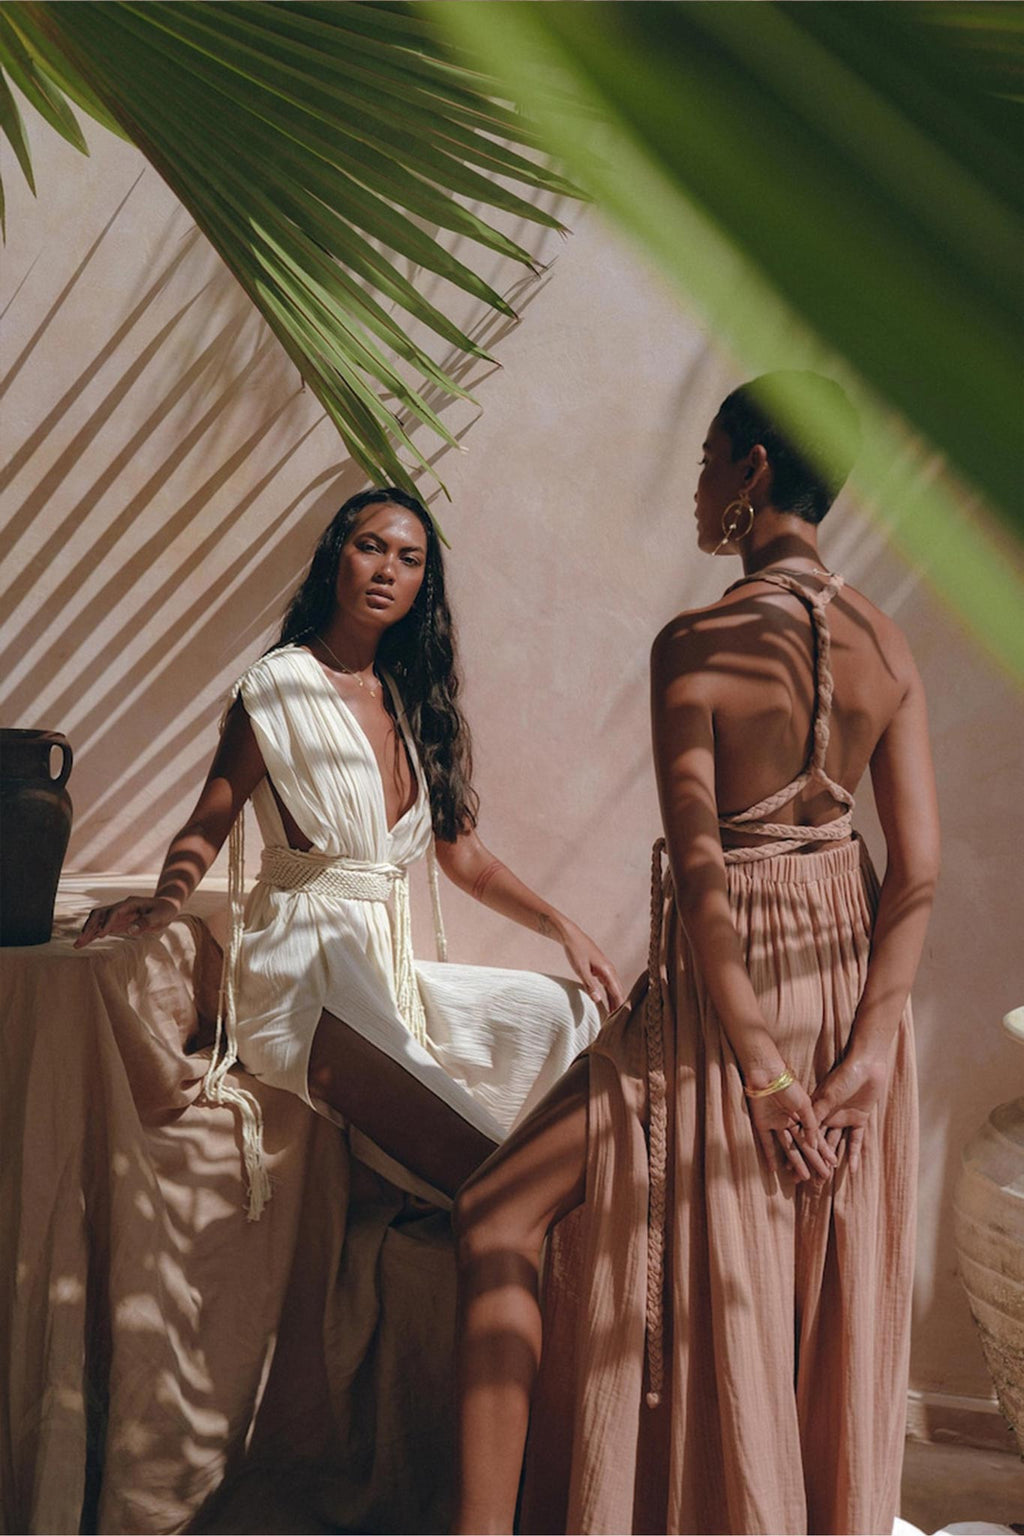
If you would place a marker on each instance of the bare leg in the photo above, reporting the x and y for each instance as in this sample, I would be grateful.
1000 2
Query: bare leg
392 1107
501 1219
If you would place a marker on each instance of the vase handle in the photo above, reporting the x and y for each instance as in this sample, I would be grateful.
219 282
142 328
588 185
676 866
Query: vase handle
65 767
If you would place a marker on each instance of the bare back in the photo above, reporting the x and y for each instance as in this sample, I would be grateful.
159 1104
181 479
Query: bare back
757 653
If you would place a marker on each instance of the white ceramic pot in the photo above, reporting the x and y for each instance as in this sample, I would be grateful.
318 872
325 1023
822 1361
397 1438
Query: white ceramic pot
989 1224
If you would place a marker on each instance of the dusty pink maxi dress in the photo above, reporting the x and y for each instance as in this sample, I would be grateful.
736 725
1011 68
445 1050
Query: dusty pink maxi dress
726 1351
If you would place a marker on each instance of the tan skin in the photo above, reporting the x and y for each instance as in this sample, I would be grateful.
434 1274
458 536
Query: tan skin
731 700
379 576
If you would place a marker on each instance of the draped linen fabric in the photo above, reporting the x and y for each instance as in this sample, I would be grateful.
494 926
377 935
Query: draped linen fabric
497 1039
166 1364
787 1307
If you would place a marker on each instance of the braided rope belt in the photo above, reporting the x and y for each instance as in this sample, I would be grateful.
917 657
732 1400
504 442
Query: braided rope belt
657 1141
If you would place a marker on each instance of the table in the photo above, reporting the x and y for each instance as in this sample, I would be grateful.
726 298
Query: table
156 1348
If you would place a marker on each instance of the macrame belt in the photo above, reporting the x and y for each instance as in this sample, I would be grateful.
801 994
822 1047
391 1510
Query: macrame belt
287 869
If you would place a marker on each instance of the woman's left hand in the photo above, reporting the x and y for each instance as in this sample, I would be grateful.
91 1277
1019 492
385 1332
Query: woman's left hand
845 1099
593 968
474 869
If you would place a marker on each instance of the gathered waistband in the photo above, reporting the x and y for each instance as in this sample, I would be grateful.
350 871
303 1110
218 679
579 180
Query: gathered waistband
800 868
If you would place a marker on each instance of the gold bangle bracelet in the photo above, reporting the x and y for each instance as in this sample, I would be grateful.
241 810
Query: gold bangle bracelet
785 1077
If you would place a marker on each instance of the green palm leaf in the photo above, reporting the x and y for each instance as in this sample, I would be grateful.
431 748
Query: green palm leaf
317 146
828 182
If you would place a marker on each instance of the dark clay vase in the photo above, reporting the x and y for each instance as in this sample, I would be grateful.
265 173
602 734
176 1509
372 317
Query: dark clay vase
35 824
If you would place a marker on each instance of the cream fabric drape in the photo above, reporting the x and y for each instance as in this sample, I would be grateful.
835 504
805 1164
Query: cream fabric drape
496 1039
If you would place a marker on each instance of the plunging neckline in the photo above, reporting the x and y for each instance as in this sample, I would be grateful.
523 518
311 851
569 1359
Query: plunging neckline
411 754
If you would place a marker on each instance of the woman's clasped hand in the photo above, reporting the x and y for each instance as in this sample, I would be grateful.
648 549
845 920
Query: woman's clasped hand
845 1099
790 1135
809 1135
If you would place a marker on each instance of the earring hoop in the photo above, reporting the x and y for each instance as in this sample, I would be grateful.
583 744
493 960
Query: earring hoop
731 530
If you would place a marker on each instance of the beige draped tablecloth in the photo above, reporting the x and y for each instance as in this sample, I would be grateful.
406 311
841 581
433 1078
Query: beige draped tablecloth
166 1364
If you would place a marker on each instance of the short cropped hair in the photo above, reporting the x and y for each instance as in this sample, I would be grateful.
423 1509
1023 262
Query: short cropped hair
810 457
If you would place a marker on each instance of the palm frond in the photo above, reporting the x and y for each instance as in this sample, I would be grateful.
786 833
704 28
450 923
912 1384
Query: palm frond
827 183
319 148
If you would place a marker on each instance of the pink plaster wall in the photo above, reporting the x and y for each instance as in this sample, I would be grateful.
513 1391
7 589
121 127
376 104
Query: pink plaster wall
165 479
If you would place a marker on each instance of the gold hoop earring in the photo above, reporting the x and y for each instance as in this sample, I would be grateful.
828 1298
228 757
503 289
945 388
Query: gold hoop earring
731 530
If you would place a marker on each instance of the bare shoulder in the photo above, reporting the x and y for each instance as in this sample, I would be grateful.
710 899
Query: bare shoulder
880 636
684 648
695 641
682 631
759 611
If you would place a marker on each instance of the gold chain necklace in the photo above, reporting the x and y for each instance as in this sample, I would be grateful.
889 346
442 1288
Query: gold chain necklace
349 671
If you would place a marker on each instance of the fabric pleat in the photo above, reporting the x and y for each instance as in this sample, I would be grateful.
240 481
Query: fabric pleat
787 1308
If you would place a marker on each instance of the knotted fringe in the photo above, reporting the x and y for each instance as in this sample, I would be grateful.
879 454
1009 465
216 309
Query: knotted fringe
440 937
217 1086
407 992
657 1141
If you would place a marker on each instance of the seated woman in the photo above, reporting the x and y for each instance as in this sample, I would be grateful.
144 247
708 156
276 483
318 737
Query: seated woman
349 737
727 1310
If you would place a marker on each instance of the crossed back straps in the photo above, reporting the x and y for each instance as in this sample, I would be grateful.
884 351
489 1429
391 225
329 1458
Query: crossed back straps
778 836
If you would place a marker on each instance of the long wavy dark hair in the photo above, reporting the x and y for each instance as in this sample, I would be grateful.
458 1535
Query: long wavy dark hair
419 652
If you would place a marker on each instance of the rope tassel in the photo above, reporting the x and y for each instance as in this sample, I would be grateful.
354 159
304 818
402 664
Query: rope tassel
440 937
407 992
217 1087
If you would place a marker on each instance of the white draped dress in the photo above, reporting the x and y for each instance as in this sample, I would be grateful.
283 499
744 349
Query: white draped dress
491 1041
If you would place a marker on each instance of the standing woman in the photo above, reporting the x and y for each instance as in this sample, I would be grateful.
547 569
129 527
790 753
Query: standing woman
727 1312
349 738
